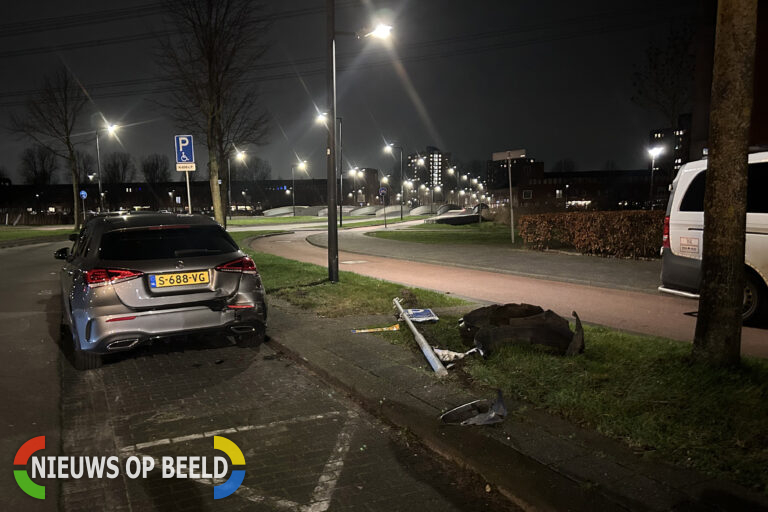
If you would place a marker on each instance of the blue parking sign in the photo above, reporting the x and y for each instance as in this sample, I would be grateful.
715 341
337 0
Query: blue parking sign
185 153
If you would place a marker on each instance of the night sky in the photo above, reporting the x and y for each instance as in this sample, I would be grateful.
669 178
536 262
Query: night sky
553 77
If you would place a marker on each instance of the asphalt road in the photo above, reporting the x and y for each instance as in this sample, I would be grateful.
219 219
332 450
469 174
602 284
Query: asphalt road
306 446
635 311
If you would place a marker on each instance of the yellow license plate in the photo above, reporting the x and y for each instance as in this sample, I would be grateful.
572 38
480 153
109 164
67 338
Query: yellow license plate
179 279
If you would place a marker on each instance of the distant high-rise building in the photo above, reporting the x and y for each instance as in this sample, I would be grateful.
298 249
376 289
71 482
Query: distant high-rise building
676 144
428 167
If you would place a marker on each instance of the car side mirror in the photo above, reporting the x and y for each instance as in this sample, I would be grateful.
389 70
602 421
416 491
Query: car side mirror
62 253
73 237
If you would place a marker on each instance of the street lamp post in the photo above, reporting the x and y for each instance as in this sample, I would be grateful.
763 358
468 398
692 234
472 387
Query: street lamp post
111 128
301 166
654 153
380 32
388 148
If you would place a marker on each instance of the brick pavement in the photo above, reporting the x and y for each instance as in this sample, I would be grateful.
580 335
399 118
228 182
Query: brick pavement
306 446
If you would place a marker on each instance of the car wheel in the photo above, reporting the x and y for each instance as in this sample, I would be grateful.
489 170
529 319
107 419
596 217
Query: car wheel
252 339
755 300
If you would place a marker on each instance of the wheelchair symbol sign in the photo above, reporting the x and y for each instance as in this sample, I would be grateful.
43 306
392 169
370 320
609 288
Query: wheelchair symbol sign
185 153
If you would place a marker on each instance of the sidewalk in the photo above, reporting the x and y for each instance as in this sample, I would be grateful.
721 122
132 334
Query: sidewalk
614 273
539 461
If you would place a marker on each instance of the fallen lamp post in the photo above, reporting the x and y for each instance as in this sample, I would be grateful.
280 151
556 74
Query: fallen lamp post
433 360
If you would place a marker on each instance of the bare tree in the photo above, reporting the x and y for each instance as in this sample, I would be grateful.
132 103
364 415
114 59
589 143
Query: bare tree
208 62
118 168
665 80
86 166
50 118
718 324
156 168
38 165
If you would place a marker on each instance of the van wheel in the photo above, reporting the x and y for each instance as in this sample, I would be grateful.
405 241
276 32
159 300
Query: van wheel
755 300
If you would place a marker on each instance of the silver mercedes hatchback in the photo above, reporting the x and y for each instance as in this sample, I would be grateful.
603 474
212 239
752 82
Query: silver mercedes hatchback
135 278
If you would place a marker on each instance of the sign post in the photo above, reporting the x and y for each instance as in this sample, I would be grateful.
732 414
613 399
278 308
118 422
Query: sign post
509 156
185 161
83 195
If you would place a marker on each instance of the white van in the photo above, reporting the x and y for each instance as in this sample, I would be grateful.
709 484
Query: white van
684 229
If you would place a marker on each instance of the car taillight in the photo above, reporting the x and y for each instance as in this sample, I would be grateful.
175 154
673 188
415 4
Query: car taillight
665 236
244 264
102 276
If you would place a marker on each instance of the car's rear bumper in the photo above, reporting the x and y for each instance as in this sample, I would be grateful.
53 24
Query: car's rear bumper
125 331
680 274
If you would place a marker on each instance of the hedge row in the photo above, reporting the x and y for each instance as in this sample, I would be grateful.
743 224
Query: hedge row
623 234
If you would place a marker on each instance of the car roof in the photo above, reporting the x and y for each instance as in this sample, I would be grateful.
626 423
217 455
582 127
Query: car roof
128 220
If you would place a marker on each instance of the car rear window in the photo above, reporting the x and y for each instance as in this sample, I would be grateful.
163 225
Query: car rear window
159 243
757 191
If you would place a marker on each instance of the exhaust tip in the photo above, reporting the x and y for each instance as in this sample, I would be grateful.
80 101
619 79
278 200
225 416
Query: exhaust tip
123 344
242 329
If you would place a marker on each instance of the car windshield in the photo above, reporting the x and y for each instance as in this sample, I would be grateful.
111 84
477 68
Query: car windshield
160 243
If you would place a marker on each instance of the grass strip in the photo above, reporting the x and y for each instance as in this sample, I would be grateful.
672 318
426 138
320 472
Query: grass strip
307 286
486 233
259 221
641 390
7 234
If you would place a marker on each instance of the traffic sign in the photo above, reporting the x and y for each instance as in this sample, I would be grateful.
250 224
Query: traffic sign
383 191
185 153
83 194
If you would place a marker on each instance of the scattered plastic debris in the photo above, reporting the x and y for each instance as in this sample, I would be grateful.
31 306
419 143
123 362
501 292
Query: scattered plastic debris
395 327
491 327
478 412
447 356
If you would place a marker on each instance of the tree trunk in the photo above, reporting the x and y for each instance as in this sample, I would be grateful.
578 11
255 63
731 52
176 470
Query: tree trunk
75 193
718 325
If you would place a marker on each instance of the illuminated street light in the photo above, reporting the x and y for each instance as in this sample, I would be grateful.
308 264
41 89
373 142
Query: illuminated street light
380 32
420 162
111 129
301 165
388 148
654 153
321 118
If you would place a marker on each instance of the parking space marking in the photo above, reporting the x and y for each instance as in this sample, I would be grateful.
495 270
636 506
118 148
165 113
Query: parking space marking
234 430
321 497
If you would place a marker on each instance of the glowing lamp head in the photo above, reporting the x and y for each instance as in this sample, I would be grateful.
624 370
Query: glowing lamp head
381 31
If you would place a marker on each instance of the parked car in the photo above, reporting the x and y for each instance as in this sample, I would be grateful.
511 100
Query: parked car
684 229
135 278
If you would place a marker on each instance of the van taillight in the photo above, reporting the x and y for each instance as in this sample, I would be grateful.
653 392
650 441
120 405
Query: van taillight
102 276
244 264
665 236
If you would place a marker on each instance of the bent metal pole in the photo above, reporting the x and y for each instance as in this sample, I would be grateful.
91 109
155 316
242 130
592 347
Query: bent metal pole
433 360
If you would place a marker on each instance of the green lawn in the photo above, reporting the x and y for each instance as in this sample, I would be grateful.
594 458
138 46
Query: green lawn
259 221
379 221
486 233
641 390
8 233
307 286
